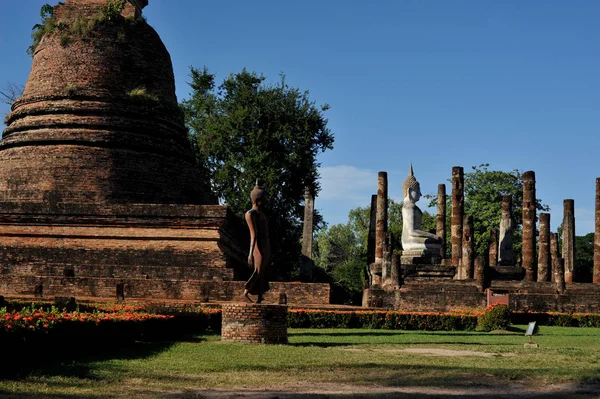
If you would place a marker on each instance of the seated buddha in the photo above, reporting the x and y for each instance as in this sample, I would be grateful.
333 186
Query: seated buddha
415 242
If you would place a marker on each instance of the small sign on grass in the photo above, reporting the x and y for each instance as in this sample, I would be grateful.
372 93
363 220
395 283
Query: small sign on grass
529 333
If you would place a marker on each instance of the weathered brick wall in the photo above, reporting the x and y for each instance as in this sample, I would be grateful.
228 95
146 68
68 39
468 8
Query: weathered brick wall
155 289
443 296
523 296
425 296
254 323
565 303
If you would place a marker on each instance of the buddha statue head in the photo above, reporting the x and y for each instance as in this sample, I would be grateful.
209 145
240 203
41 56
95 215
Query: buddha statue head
411 189
257 194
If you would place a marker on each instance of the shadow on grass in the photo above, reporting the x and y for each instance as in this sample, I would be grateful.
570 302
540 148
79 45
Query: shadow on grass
75 360
362 333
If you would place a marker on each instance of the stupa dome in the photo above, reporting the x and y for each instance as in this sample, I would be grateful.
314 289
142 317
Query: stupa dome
98 121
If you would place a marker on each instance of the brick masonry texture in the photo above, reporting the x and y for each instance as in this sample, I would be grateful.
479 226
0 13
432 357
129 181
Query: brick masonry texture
254 323
456 294
78 136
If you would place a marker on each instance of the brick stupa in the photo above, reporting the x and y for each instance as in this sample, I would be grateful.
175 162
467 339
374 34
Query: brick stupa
99 194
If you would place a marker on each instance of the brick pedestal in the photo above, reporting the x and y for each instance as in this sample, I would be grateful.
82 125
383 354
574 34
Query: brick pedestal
254 323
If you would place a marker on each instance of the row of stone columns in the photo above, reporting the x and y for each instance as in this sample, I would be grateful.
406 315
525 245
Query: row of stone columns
501 252
462 240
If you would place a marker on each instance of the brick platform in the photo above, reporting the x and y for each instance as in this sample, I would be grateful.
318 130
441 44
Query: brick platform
254 323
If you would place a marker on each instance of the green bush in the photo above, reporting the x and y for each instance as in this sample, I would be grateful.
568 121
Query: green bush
495 317
390 320
558 319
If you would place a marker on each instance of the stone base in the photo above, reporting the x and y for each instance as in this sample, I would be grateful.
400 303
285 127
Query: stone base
254 323
421 257
427 271
528 345
507 272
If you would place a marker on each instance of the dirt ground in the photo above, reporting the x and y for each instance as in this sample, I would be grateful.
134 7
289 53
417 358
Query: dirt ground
346 391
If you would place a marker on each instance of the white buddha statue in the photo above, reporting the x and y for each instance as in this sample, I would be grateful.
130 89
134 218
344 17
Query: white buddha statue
415 242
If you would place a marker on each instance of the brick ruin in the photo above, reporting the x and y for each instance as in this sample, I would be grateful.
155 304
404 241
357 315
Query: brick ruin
99 192
546 282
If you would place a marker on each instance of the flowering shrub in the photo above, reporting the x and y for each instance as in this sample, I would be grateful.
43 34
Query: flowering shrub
392 320
37 320
34 334
495 317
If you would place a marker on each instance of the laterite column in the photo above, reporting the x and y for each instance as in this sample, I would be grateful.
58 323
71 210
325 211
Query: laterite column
493 255
382 216
458 203
544 265
372 229
568 239
529 211
440 227
553 252
596 278
558 268
479 273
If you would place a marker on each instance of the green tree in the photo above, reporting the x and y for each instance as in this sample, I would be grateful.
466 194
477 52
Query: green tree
246 130
484 189
584 254
341 250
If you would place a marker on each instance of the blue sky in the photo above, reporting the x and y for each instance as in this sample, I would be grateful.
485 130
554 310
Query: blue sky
437 83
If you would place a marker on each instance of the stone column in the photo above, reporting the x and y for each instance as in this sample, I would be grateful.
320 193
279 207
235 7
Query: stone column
386 265
479 273
529 215
372 228
596 277
558 268
544 265
493 255
468 248
458 202
440 230
382 215
505 250
396 271
553 252
440 227
568 239
307 234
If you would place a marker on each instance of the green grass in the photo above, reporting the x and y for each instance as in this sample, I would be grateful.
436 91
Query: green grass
364 357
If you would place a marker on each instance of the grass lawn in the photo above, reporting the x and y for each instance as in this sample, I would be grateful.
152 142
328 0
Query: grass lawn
369 358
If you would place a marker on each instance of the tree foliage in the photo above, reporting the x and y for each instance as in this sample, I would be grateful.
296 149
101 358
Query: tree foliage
484 189
341 250
584 254
246 130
